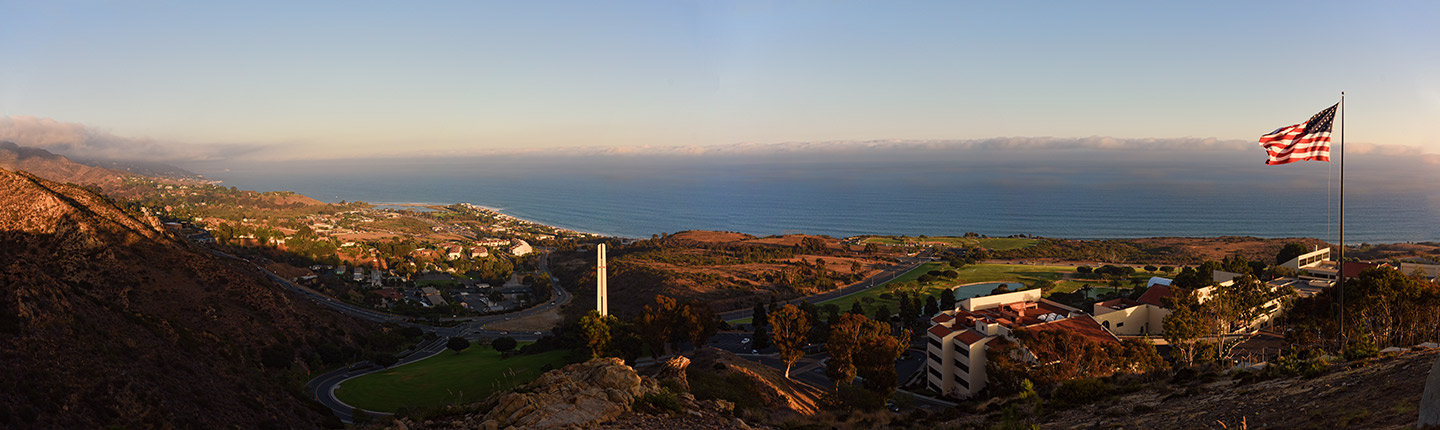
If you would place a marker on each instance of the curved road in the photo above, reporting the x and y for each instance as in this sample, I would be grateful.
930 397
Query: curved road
908 264
322 387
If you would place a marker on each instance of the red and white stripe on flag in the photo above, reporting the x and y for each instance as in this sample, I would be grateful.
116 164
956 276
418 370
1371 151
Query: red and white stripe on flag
1309 140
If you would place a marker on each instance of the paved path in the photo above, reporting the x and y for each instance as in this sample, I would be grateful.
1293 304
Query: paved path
322 388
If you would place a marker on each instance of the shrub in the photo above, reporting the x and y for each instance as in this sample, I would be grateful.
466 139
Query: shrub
1081 391
663 401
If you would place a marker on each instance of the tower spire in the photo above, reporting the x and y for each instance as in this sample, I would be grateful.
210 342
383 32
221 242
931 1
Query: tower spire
602 301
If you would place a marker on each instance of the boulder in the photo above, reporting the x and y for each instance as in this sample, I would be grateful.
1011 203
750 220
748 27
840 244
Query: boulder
673 371
575 396
1430 401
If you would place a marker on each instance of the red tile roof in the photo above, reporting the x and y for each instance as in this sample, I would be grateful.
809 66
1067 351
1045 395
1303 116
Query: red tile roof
1084 326
1353 269
1154 294
969 337
942 318
940 331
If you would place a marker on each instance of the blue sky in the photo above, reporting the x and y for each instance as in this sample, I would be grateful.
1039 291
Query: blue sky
356 79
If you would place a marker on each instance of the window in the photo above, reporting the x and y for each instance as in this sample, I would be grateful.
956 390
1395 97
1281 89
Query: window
934 342
935 358
963 382
1119 324
963 350
963 368
935 373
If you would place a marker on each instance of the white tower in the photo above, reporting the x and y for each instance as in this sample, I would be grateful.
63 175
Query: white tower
602 303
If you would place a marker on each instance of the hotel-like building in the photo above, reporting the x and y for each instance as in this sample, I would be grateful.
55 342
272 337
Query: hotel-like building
958 339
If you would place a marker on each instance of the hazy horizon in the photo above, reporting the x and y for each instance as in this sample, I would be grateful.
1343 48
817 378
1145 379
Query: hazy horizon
276 80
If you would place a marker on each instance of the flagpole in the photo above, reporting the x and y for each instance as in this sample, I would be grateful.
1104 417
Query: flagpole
1341 264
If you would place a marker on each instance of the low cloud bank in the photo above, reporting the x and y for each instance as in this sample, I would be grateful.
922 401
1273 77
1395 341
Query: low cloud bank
80 141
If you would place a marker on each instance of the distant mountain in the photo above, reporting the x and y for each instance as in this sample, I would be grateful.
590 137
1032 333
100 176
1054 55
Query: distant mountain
55 167
144 168
108 321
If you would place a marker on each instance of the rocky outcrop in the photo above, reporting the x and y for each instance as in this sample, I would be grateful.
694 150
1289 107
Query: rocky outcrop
672 372
601 393
575 396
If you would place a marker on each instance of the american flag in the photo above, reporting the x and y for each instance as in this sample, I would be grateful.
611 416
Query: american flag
1309 140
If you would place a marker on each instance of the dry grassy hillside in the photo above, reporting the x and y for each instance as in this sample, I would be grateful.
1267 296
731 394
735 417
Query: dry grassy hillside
726 270
107 321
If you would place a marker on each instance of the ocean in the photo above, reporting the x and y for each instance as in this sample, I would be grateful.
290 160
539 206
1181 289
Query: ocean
1079 196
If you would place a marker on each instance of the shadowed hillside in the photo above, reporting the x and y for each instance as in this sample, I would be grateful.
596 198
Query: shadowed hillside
54 167
107 321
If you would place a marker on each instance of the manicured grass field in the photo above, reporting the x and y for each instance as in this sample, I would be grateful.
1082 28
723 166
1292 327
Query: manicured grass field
448 378
996 243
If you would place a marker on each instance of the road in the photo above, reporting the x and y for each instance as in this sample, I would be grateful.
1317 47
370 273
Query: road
908 264
323 387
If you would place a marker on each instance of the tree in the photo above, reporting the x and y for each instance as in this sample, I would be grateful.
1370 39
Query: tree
697 322
1167 269
1289 252
760 339
595 329
457 344
843 341
947 301
657 324
864 348
504 344
856 309
882 313
758 316
932 306
1149 268
792 330
384 360
1183 328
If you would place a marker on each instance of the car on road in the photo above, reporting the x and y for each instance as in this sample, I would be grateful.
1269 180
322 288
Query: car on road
504 331
539 333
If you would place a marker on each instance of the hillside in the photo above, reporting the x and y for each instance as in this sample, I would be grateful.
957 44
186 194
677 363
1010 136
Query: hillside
1379 393
107 321
726 270
54 167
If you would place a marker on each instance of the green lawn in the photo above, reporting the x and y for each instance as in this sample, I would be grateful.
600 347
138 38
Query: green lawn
996 243
448 378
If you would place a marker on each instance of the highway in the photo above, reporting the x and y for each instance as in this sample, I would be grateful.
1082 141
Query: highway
908 264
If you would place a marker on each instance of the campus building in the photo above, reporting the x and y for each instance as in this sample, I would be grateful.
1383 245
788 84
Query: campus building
958 339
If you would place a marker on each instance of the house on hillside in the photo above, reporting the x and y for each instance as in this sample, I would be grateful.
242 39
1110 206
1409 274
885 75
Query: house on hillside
958 339
521 248
432 297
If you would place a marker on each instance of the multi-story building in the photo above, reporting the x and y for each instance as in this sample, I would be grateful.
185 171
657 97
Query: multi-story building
958 342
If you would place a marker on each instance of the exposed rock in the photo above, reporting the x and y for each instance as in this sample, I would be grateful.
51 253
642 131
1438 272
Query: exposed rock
1430 402
578 395
673 371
